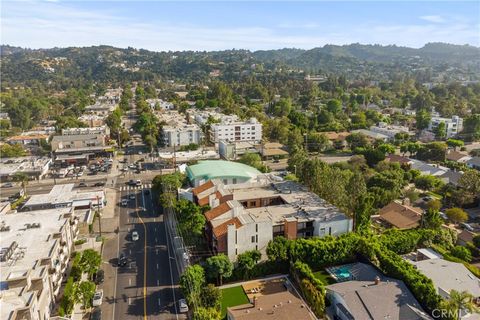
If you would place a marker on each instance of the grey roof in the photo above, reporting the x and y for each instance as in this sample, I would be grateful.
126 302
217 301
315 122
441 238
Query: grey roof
75 137
475 161
447 276
451 177
389 299
427 168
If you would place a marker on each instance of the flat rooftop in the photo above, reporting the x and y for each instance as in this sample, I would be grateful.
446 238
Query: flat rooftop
299 203
33 243
62 194
13 299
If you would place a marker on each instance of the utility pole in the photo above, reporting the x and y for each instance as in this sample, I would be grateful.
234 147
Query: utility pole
99 216
174 158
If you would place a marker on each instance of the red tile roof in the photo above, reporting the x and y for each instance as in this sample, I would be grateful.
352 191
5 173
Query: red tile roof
222 229
203 187
217 211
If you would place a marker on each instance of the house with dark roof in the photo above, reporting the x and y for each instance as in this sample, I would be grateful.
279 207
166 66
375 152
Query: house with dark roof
457 156
372 295
474 163
400 215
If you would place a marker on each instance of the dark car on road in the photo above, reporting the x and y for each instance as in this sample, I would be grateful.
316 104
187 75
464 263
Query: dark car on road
82 185
122 260
146 192
99 184
96 314
99 277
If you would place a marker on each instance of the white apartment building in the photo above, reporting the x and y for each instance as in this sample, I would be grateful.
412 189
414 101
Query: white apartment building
181 135
105 130
250 130
247 216
453 126
201 116
165 105
390 130
34 255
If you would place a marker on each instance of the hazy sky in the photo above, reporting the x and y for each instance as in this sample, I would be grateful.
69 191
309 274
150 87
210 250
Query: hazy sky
160 25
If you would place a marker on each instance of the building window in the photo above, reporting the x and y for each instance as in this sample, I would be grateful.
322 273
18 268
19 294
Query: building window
236 238
253 239
256 227
256 238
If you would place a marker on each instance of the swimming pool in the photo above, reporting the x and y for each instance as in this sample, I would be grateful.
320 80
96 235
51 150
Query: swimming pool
341 273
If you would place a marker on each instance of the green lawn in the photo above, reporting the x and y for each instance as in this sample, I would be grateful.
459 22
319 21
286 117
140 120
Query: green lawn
231 297
323 276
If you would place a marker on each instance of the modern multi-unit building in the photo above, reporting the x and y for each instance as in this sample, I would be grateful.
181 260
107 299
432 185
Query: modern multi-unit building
34 255
181 135
178 132
453 126
249 130
105 130
247 216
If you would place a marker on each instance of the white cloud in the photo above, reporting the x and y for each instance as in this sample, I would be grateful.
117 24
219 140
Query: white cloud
47 24
433 18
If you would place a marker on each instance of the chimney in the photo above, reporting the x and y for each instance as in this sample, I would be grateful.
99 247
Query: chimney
212 200
377 280
406 201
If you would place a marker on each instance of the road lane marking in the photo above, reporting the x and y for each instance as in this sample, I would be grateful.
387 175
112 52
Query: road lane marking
158 284
129 281
129 301
156 251
159 304
156 240
157 265
144 261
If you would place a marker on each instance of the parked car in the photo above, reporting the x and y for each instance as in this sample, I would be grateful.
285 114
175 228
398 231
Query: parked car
466 226
7 185
97 298
122 260
131 182
99 184
124 202
96 314
182 306
82 184
99 277
132 196
135 236
138 183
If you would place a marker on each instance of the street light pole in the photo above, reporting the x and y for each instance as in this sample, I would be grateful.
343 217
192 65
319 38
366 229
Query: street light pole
99 216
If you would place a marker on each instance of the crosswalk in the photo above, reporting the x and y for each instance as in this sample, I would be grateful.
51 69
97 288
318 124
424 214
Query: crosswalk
131 188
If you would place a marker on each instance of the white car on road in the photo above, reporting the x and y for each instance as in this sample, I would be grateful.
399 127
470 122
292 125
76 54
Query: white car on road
182 306
135 236
97 298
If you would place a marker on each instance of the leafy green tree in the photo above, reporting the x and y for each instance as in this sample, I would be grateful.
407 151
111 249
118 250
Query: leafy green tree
434 205
434 151
373 156
471 127
12 151
363 211
423 119
203 313
432 219
334 106
441 131
456 215
191 220
387 148
277 249
462 253
317 142
84 293
191 283
211 297
470 182
357 140
90 261
427 182
247 261
454 143
218 267
253 160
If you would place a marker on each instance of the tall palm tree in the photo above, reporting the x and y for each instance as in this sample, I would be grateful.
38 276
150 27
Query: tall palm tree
460 303
23 179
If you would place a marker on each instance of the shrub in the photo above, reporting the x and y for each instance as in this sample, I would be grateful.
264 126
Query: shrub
462 253
312 288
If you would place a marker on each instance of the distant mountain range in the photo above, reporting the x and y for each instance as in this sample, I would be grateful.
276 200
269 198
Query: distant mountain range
100 63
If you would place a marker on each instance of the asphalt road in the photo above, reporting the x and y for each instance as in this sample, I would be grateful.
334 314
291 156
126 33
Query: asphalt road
145 288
